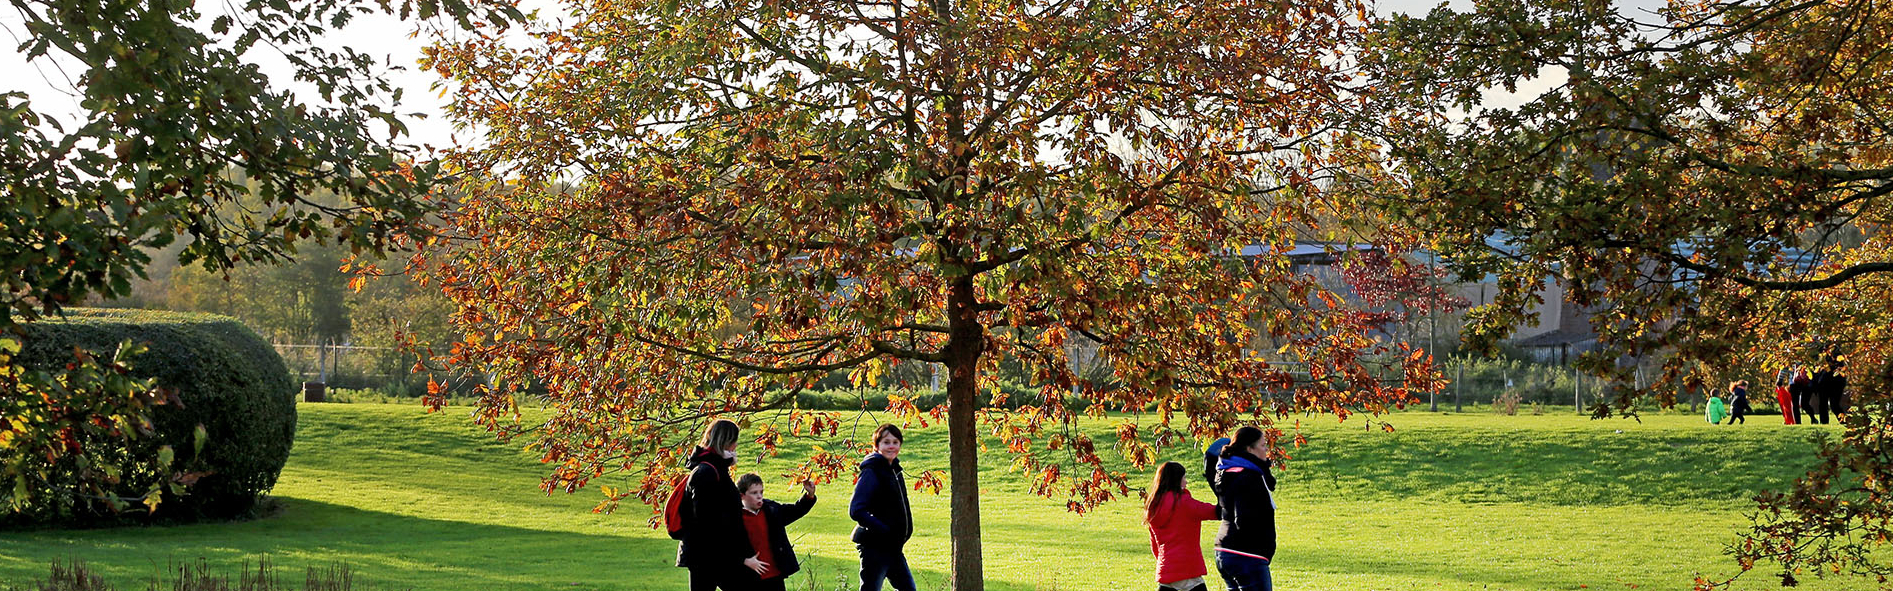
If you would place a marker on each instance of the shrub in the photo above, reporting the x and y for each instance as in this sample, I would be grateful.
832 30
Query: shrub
1507 404
225 378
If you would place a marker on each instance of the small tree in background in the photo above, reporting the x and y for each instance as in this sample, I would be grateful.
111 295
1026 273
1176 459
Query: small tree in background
762 193
1715 179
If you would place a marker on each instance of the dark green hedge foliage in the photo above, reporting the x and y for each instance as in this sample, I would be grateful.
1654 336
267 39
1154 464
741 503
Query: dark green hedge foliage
227 378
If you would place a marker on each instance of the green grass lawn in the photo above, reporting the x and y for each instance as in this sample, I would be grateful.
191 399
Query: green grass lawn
1471 501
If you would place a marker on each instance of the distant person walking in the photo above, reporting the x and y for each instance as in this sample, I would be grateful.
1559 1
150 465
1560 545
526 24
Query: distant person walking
1786 400
1715 410
1176 530
1803 390
1245 491
884 519
715 546
767 523
1739 408
1830 388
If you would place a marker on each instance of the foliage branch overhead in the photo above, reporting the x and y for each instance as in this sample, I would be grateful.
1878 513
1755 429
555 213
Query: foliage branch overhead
1712 178
169 100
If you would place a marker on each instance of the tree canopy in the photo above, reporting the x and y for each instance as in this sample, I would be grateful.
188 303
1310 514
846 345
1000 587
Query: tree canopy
693 209
1712 178
168 104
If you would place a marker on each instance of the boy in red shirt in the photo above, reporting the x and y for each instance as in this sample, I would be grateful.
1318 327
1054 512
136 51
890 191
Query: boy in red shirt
766 521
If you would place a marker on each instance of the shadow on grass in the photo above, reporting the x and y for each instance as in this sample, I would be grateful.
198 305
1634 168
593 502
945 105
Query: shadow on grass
386 551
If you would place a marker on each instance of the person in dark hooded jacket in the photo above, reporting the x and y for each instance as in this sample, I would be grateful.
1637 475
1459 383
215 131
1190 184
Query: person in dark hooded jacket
1245 493
884 519
1828 390
715 547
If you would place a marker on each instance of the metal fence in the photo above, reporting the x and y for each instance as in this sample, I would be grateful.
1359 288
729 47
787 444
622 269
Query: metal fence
352 366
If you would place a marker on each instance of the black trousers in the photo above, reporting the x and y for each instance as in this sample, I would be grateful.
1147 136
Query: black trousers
880 565
1828 403
1837 403
709 579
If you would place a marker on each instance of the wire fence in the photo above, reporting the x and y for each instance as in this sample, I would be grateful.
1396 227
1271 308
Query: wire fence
384 369
1470 383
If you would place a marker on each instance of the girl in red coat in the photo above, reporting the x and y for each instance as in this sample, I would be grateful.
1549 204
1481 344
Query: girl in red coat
1786 400
1176 531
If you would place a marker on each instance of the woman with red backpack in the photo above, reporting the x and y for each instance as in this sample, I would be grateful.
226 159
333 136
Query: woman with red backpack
714 543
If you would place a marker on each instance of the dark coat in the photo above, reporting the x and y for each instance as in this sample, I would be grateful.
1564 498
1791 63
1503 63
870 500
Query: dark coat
713 516
879 506
1248 513
1830 384
1801 388
779 516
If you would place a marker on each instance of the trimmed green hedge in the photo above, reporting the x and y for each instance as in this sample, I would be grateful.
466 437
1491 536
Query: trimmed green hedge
228 379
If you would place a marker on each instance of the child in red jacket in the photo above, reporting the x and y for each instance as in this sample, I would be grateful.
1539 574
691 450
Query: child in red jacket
1786 400
1176 531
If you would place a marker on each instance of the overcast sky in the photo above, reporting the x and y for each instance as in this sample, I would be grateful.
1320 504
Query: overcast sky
52 92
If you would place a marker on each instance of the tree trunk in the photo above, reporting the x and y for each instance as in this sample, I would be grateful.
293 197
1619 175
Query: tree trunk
965 344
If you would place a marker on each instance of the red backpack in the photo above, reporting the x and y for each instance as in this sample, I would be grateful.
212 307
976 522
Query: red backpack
674 506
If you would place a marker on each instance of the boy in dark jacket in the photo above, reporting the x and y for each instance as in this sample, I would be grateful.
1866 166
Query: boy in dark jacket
1245 491
766 522
1739 408
884 519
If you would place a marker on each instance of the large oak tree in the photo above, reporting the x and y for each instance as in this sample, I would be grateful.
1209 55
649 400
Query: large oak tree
695 208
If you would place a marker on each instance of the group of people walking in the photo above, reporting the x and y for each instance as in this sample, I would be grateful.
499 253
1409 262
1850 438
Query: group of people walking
734 539
1815 395
1238 472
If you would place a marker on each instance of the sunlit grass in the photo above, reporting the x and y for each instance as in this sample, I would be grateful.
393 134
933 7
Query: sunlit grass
1471 501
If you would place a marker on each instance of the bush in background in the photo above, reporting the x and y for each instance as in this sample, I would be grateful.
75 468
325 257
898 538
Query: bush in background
230 425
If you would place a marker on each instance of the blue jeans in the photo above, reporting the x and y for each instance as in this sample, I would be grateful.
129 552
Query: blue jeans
878 564
1243 573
